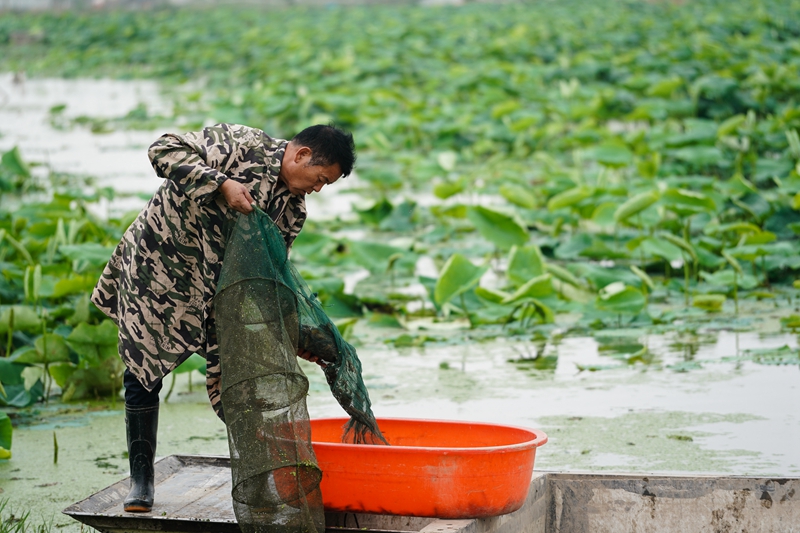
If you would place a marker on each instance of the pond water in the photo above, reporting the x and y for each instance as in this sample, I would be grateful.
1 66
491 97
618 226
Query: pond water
116 158
696 403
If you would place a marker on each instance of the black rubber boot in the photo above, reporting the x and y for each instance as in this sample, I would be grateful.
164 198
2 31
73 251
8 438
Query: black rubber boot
142 425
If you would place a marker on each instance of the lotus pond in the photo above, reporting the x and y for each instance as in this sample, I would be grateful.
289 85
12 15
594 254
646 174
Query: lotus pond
577 216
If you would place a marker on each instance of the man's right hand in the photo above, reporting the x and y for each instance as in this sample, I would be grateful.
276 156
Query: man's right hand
308 356
237 196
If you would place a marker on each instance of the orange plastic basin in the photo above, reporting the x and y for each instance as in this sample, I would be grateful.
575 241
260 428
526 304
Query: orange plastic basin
432 468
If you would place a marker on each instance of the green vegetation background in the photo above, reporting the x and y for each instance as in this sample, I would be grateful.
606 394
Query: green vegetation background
611 162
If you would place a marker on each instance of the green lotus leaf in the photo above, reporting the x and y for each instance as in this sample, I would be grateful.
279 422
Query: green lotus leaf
569 197
6 431
538 287
93 253
195 362
625 301
524 263
709 302
611 155
458 276
501 229
95 343
46 349
518 195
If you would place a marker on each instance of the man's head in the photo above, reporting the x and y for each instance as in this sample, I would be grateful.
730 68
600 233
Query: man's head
317 156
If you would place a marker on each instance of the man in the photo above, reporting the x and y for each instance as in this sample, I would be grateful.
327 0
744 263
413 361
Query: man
159 284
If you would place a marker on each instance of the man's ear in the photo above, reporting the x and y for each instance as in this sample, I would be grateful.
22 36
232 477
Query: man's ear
302 153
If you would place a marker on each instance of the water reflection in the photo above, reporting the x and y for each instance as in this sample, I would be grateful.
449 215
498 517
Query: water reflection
534 357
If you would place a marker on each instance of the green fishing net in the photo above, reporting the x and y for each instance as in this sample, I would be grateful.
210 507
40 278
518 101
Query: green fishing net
265 311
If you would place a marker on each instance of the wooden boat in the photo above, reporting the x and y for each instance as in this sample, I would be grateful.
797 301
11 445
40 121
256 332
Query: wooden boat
193 495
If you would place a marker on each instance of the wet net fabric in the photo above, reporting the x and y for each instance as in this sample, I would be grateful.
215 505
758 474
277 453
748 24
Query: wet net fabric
265 312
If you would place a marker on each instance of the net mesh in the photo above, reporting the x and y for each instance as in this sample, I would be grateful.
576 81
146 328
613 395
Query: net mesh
265 311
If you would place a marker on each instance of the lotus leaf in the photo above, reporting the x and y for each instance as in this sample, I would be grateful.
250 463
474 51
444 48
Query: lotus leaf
501 229
653 246
457 211
753 251
32 375
95 344
62 372
10 372
313 246
619 298
376 257
331 293
686 203
195 362
574 247
524 263
709 302
92 253
635 205
681 243
402 219
730 125
491 295
518 195
601 277
563 274
665 87
46 349
764 237
6 431
458 276
13 162
375 214
791 322
25 319
72 285
699 156
103 380
734 227
446 189
612 155
534 308
727 278
603 214
646 280
766 169
569 197
19 396
538 287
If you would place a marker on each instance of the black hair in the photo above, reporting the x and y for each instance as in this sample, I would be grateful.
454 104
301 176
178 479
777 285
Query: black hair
329 145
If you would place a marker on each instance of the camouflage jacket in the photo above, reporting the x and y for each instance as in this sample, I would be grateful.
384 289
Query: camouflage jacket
159 284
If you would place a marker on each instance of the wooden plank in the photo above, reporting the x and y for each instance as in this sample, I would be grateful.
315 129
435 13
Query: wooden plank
193 495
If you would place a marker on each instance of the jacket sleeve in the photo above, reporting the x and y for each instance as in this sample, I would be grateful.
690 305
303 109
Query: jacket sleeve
196 162
295 216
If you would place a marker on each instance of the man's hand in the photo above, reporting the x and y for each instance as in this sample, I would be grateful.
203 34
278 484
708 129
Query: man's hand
308 356
237 196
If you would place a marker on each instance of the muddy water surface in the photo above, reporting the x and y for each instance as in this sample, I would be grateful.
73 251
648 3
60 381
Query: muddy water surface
723 417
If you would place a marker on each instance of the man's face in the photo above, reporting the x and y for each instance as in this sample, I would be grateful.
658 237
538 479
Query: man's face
303 178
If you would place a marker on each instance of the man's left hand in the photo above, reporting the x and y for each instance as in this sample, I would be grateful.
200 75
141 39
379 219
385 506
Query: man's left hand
237 196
